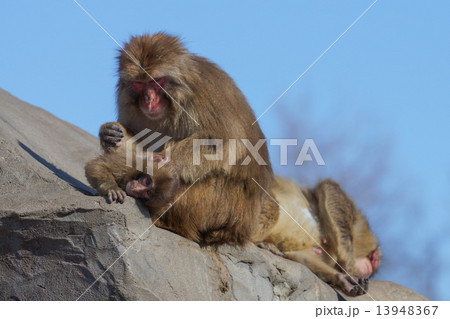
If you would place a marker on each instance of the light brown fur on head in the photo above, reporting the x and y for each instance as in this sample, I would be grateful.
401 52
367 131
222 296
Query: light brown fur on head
150 57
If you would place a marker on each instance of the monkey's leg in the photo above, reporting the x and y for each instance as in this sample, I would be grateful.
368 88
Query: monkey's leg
165 186
267 219
216 210
192 167
336 213
348 284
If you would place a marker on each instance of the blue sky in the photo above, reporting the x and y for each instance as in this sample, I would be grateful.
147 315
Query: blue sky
388 76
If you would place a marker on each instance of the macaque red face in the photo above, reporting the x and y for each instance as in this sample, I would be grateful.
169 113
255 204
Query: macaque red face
152 69
153 101
140 187
366 266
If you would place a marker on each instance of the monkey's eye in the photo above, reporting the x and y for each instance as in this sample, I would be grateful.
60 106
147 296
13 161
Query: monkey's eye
162 81
138 87
157 84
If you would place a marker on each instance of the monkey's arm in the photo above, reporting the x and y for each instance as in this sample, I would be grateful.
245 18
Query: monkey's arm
114 135
100 176
189 165
194 159
346 230
352 286
108 174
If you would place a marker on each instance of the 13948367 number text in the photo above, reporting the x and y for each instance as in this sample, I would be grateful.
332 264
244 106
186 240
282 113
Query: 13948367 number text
407 310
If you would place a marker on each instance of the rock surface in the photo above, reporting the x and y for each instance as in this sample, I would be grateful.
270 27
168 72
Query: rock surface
60 242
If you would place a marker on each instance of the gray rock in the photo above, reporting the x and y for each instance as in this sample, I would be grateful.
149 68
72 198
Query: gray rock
59 242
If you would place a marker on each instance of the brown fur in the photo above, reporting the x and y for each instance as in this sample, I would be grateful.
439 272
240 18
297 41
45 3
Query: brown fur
334 218
109 175
225 205
295 235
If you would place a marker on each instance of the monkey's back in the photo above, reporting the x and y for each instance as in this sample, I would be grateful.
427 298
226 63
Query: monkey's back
296 228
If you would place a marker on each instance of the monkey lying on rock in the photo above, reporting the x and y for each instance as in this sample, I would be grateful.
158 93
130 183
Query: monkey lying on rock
165 88
322 229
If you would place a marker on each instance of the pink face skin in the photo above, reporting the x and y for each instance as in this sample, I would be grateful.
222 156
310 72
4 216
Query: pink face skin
152 101
366 266
140 187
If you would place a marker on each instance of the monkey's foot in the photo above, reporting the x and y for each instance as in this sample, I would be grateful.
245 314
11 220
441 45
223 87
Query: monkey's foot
270 247
352 286
116 195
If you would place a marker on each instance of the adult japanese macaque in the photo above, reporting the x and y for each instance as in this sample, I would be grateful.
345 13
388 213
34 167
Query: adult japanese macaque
165 88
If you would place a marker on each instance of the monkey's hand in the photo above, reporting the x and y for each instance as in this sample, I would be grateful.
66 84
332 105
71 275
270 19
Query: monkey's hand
352 286
111 135
116 195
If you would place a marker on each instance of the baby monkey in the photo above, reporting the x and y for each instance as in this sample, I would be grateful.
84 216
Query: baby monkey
111 177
